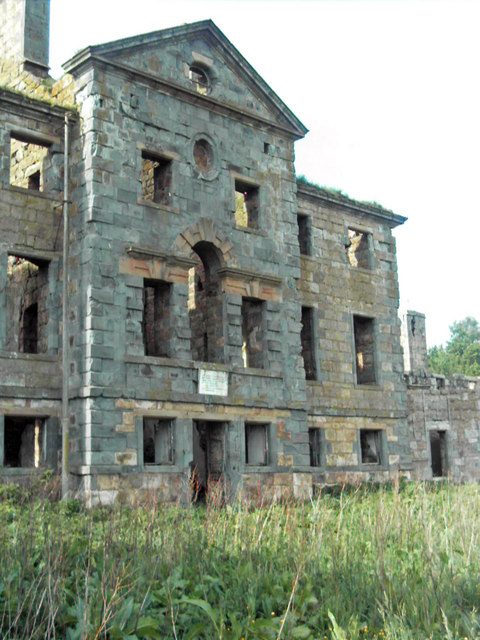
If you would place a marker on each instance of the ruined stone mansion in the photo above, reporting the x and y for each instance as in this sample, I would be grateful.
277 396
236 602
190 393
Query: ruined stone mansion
217 323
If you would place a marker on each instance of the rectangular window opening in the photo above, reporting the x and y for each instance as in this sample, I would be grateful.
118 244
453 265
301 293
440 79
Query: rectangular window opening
157 441
438 450
371 446
27 163
156 322
24 444
246 204
315 442
156 179
253 340
304 239
358 249
308 343
364 334
27 298
256 444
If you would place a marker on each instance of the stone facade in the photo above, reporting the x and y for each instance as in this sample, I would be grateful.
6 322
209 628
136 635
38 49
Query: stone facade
443 413
230 328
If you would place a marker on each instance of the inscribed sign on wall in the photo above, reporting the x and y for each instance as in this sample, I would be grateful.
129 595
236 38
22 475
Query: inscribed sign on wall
213 383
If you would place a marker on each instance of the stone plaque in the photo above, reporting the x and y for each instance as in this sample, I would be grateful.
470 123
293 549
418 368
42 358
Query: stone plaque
213 383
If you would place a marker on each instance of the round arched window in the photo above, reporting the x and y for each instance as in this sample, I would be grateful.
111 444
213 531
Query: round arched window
200 79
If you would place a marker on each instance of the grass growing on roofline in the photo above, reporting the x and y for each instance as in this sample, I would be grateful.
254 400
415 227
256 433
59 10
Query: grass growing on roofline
398 563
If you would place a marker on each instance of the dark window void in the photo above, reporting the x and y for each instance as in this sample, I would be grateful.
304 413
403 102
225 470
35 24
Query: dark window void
304 235
253 342
256 444
208 465
205 305
157 441
358 249
363 329
156 318
156 179
27 163
246 205
23 442
371 446
308 343
26 298
200 79
315 442
438 449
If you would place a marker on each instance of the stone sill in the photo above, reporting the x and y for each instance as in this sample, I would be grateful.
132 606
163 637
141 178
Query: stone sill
110 469
255 232
157 205
309 258
22 471
44 195
368 387
370 272
32 357
196 364
158 468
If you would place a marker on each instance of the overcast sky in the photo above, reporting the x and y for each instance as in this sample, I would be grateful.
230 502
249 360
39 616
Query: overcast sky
390 92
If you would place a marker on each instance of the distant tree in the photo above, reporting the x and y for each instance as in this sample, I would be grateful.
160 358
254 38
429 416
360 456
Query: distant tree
461 353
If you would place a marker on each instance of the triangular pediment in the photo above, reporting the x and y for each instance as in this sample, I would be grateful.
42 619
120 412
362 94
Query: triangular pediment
169 54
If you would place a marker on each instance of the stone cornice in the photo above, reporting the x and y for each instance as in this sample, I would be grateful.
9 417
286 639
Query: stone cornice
145 252
377 212
183 93
247 274
11 99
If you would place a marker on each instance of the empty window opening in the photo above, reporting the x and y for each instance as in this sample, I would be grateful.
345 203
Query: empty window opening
256 444
363 329
315 442
371 446
253 349
29 329
208 465
156 318
34 181
27 163
438 450
24 444
308 343
156 179
200 79
205 305
440 383
157 441
246 204
304 235
358 249
26 299
266 148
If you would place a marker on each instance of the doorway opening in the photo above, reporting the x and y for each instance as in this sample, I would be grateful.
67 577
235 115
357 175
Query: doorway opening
209 453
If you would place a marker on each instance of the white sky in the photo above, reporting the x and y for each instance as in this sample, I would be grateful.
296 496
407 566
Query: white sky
390 92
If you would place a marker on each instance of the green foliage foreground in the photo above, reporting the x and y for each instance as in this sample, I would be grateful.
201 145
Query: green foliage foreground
364 564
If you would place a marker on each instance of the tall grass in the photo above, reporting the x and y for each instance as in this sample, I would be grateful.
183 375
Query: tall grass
364 564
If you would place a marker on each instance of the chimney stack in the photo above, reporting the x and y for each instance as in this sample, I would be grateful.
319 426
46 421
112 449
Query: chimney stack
24 33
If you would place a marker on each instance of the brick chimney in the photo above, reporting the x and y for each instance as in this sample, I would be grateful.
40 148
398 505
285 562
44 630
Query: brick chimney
24 33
